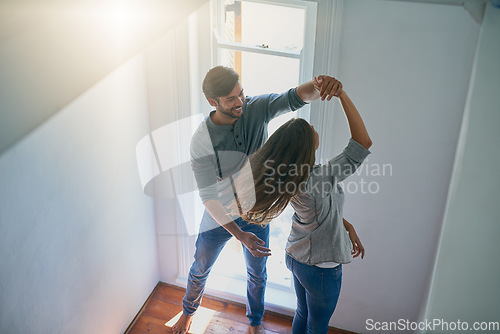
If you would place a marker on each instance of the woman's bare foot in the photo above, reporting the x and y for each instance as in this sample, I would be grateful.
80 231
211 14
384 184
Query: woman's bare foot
182 325
257 330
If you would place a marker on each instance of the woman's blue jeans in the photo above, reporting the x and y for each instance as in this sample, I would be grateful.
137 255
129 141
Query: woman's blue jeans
317 291
208 247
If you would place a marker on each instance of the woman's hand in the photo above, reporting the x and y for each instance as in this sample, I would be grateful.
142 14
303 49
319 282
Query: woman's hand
357 246
327 87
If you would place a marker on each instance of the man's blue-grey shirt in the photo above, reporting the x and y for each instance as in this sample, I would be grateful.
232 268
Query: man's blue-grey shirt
219 151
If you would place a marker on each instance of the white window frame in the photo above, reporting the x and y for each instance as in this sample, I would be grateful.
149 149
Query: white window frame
305 56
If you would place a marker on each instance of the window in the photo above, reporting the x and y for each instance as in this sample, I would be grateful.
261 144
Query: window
271 45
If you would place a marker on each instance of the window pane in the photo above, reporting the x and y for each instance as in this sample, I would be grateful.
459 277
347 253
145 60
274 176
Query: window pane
262 74
253 23
231 261
268 74
276 267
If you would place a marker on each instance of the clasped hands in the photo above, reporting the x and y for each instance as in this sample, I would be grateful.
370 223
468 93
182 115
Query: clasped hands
327 87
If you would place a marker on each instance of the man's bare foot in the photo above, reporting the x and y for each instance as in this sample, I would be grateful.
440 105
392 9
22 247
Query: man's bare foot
257 330
182 325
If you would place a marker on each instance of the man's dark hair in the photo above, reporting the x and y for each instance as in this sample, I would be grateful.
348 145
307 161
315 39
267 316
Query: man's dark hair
219 81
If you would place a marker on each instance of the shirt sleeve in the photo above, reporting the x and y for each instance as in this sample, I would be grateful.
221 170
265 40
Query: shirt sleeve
325 177
347 162
273 105
204 164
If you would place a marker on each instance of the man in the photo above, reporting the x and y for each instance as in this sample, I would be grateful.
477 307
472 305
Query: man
219 147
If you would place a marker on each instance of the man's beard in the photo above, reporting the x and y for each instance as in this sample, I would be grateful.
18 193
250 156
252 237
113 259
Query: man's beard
228 112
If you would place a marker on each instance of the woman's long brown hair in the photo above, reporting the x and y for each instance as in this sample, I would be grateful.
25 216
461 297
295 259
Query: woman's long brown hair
280 168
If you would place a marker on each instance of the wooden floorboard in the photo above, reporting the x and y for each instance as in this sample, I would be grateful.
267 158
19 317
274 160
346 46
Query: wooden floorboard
215 315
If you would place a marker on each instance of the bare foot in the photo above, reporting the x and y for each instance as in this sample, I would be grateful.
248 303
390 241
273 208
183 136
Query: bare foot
182 325
257 330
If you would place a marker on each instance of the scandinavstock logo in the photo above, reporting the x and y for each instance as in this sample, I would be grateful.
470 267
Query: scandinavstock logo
165 170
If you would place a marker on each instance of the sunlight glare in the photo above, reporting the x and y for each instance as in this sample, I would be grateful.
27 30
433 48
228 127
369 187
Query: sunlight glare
201 320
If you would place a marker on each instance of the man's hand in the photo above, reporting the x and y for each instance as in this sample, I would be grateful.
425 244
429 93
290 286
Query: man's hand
254 244
327 87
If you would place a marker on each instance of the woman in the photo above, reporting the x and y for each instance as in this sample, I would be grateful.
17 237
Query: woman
320 239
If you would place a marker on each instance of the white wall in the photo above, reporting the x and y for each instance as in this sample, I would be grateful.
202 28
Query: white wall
172 64
407 67
54 50
466 277
77 236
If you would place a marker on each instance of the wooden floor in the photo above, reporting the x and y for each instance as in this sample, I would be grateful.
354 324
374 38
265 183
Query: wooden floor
215 315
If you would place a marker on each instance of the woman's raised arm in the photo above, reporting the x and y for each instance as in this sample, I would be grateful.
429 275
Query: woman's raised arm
356 125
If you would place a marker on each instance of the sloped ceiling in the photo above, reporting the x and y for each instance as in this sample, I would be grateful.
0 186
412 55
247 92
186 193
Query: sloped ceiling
51 51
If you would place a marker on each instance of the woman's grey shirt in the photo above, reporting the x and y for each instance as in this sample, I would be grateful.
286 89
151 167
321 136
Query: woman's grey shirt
318 234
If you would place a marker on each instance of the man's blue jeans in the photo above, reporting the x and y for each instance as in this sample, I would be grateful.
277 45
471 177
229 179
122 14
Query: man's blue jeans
208 247
317 291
